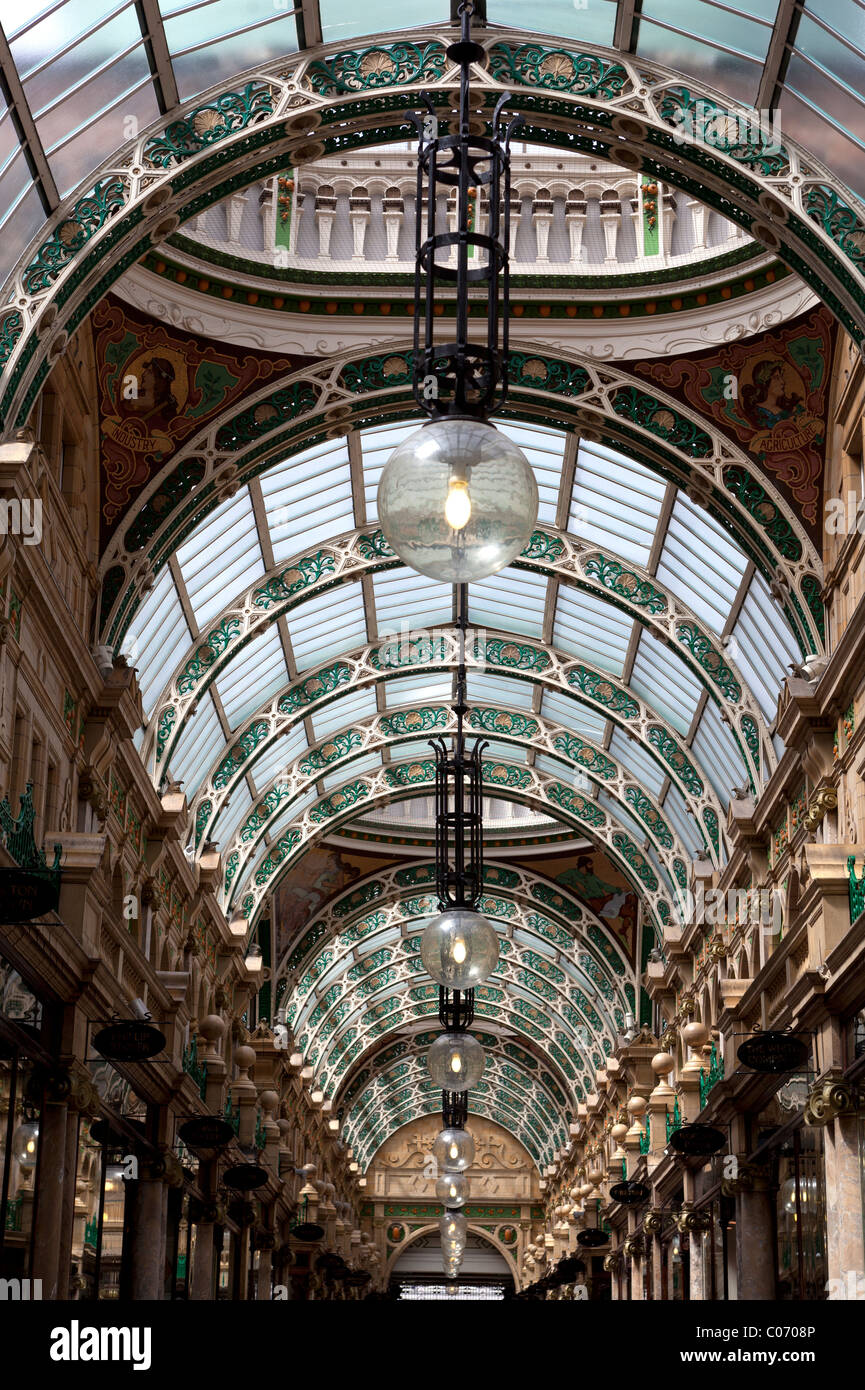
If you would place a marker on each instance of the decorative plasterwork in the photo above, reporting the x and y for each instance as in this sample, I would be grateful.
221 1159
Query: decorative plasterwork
549 552
603 339
339 749
678 443
510 781
311 106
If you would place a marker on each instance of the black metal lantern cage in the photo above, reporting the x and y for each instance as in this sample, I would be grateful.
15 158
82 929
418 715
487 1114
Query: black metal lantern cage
463 378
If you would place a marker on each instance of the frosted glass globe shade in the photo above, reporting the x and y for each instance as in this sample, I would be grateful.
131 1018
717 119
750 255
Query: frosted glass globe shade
452 1189
457 500
455 1062
454 1150
459 949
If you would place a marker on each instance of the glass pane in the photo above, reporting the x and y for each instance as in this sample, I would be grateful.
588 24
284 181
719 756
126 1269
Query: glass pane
588 23
512 601
664 683
840 150
737 76
61 71
340 19
199 68
73 159
591 629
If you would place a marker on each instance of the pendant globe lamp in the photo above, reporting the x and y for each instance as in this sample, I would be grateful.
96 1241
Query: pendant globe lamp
452 1189
454 1150
455 1062
457 500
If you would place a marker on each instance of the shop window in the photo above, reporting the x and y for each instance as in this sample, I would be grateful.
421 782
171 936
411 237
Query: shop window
801 1217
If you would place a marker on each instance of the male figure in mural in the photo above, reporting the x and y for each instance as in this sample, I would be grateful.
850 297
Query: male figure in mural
156 401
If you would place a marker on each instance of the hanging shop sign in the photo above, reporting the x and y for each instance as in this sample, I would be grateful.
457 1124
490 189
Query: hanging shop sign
773 1053
697 1141
129 1040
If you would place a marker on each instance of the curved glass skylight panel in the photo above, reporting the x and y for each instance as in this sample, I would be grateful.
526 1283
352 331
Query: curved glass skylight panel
638 763
370 763
544 448
562 771
498 690
824 73
410 752
722 45
308 499
618 813
256 673
377 445
594 631
593 21
701 564
278 757
343 19
665 683
718 753
215 39
327 625
512 601
675 810
765 646
157 638
233 814
342 713
615 502
20 220
431 688
505 752
200 741
580 719
405 601
221 558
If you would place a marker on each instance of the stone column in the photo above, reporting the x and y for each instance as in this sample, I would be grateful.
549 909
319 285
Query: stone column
50 1193
844 1234
148 1235
755 1238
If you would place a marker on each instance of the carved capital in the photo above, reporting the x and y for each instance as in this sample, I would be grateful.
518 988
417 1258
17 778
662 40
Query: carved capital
830 1098
652 1221
635 1245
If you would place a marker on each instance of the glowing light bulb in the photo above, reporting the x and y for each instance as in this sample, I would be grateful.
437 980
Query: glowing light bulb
456 1063
458 506
453 1190
453 1151
459 950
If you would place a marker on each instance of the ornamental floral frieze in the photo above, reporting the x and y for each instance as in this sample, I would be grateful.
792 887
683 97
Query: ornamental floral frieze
289 112
385 892
276 422
375 788
386 730
352 982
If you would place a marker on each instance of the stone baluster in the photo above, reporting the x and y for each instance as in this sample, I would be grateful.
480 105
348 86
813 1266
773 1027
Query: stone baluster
234 208
575 221
393 215
542 217
324 213
359 209
700 222
611 221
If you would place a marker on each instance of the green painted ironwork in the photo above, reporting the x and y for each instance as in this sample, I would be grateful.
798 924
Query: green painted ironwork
195 1068
16 834
230 1114
674 1121
260 1136
645 1138
857 890
91 1232
14 1210
711 1077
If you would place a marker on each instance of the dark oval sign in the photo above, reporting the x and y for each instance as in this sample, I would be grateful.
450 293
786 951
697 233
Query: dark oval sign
26 894
206 1132
773 1053
630 1194
308 1230
130 1041
591 1238
244 1177
697 1140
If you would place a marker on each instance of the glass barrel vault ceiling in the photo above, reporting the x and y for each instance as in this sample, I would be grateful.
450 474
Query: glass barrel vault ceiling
78 78
612 501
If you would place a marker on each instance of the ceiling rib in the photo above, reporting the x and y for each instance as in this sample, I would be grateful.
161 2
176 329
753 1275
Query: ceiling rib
158 56
783 34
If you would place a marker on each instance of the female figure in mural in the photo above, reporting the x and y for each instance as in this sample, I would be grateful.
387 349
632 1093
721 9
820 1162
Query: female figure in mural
765 398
